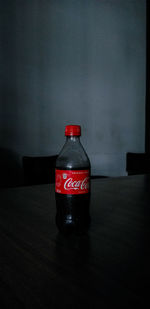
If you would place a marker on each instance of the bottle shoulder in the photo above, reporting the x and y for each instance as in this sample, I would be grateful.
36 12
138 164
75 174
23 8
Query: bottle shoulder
73 156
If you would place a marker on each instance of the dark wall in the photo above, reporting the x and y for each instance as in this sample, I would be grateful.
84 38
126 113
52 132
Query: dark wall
70 61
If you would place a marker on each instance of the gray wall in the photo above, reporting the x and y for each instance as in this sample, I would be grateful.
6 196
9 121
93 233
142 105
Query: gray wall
73 62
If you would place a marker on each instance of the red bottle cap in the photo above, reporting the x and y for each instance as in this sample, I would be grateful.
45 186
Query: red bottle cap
72 130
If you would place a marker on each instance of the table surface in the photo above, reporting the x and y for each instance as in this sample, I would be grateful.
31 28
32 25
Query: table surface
108 267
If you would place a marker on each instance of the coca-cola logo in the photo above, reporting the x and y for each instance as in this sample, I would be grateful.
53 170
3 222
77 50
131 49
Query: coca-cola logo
72 181
77 184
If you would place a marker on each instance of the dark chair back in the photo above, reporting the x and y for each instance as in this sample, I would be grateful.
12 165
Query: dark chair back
11 174
39 170
137 163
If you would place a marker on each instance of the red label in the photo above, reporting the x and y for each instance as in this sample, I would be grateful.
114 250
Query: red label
72 181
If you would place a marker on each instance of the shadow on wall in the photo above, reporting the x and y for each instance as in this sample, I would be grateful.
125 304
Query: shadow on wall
11 173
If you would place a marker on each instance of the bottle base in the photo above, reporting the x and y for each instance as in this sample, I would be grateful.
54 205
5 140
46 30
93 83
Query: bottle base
72 213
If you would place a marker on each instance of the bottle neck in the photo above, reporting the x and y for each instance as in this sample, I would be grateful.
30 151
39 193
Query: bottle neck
73 139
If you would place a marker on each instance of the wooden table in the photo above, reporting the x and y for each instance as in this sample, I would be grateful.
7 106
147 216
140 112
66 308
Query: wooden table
108 268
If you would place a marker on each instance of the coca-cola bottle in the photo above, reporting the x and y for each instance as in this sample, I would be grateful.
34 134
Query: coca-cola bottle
72 184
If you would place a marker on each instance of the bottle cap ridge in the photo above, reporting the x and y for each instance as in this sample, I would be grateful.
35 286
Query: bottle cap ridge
73 130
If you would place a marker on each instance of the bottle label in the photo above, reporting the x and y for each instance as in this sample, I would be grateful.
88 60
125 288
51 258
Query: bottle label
72 181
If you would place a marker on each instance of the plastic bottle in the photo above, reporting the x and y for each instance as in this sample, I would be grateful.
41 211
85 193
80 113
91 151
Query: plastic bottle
72 184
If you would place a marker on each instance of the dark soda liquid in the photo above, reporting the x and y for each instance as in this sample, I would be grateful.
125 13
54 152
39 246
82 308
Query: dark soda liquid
72 212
